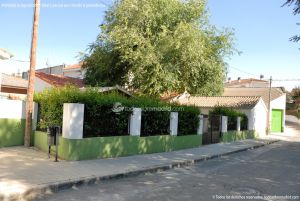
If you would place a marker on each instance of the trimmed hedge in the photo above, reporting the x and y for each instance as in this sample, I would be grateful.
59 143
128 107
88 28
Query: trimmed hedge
100 118
155 123
188 121
232 117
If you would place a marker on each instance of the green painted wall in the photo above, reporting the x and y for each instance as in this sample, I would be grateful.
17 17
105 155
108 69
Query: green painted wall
11 132
231 136
107 147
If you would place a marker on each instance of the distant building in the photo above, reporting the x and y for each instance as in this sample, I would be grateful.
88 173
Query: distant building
56 70
12 84
253 101
277 106
253 106
250 82
12 87
74 71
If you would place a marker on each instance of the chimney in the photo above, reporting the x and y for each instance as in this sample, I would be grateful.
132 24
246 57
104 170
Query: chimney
239 79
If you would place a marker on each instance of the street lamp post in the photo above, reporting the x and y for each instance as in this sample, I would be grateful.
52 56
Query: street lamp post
30 90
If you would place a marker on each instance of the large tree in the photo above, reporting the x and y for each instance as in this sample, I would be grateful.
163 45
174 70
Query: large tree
158 46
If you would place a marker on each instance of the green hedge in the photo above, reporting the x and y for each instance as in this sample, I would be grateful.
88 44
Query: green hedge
155 123
101 118
188 121
232 117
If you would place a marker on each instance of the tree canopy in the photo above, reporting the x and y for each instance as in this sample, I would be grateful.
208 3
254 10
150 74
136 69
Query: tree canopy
296 92
296 10
158 46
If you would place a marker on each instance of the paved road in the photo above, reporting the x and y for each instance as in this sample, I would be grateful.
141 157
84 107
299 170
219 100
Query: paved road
268 171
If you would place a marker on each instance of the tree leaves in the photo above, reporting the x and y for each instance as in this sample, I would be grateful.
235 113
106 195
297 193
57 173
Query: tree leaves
165 45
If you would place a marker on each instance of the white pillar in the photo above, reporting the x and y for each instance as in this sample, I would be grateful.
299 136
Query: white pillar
224 124
201 125
238 123
73 121
173 123
135 122
34 116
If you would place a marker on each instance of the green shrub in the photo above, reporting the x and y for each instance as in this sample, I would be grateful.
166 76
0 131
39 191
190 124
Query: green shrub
188 120
232 117
101 120
51 104
155 123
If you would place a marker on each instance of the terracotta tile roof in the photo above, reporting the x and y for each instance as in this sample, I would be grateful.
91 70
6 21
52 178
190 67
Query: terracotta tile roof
59 80
241 102
73 66
11 81
244 81
169 95
253 91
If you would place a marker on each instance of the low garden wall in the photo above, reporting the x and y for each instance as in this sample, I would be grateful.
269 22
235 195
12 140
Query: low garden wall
12 122
117 146
232 136
12 132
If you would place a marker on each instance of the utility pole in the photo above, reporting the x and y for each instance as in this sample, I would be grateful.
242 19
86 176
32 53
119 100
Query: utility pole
30 89
269 107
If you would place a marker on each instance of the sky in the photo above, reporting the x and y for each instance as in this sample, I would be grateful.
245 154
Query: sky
262 31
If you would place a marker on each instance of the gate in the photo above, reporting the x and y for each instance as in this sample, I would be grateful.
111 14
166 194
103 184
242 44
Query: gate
213 134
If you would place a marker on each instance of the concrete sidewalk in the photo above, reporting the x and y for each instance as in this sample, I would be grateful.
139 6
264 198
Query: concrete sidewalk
28 173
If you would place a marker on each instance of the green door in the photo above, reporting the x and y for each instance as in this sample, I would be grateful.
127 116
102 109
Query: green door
276 121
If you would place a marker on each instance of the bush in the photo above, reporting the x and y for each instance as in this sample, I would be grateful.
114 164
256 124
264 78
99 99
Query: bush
188 120
232 117
155 123
101 120
232 123
51 104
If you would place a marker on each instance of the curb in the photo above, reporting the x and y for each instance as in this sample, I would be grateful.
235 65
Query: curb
34 192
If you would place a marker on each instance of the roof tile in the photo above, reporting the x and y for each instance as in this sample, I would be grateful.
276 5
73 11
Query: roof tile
241 102
59 80
8 80
254 91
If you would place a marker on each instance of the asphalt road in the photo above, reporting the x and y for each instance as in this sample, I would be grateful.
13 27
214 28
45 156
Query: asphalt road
273 170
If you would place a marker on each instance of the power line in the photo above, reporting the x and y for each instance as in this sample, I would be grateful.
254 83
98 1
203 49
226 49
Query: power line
19 60
243 71
277 80
286 80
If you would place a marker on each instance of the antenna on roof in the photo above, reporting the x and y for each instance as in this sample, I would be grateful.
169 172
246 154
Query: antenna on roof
47 63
